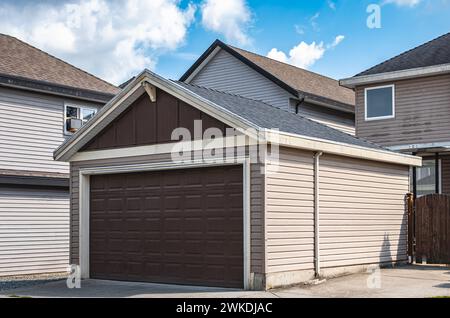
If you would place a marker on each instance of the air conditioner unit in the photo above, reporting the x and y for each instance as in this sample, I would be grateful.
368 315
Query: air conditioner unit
73 124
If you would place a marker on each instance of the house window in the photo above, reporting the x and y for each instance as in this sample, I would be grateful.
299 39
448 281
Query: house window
426 177
77 112
380 102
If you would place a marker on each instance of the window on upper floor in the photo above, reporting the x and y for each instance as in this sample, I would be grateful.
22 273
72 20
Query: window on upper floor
76 116
380 102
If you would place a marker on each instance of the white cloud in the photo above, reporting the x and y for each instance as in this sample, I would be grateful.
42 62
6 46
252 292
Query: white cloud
331 5
313 21
299 29
228 17
337 41
111 39
304 55
404 3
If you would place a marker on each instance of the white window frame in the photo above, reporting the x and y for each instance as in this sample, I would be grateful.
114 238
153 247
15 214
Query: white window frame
79 107
365 103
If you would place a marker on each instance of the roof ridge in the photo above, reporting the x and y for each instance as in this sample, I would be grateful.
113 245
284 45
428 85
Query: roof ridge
284 63
57 58
403 53
290 113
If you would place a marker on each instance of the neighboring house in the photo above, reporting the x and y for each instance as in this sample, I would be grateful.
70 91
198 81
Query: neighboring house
404 104
39 95
225 219
240 72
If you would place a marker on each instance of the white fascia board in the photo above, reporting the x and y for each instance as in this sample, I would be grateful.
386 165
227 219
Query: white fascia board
341 149
166 148
352 82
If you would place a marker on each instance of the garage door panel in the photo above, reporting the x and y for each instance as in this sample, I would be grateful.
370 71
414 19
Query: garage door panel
177 226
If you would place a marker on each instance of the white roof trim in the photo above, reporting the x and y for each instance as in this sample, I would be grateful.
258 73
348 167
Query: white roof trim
397 75
341 149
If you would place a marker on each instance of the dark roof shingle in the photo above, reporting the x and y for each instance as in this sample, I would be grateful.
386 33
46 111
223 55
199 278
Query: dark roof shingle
20 59
270 117
434 52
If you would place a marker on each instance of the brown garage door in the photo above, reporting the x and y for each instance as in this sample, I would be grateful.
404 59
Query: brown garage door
175 226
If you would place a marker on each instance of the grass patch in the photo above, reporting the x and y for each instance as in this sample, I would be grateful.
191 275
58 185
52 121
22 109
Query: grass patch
16 296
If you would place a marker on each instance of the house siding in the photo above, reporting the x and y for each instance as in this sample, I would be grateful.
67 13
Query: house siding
333 119
362 213
31 128
421 113
226 73
34 231
256 204
290 212
34 223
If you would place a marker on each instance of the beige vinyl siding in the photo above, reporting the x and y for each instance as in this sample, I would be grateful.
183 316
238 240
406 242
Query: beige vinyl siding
31 128
422 113
226 73
361 204
290 212
333 119
256 207
34 231
362 212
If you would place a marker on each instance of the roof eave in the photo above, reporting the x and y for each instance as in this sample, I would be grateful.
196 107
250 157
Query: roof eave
340 149
328 103
355 81
53 89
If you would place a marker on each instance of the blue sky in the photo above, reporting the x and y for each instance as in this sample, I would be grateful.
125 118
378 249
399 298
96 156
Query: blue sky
326 36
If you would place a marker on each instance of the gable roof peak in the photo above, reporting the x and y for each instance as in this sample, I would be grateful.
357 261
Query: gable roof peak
297 81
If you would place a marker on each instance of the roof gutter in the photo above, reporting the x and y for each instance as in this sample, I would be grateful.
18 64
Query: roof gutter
352 82
53 89
321 101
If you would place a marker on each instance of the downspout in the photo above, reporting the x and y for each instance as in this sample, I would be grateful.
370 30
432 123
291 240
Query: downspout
299 103
317 156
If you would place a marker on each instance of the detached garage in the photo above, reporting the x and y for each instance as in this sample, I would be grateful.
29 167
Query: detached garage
313 201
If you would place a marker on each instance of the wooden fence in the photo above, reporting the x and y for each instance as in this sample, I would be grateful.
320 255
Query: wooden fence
432 229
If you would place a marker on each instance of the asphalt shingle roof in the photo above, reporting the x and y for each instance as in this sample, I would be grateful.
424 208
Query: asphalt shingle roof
266 116
302 80
434 52
20 59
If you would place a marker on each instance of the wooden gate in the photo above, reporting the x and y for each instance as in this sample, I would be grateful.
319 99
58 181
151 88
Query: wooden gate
432 229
